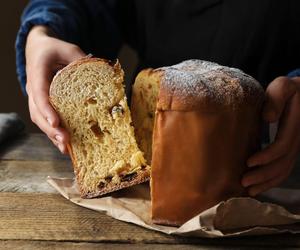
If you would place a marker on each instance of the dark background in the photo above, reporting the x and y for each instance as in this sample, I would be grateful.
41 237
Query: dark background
11 97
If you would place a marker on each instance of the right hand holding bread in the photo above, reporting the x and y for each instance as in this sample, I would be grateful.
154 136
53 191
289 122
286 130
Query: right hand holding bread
45 55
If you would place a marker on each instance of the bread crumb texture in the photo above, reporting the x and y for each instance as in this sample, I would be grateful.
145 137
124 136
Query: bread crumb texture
89 97
143 105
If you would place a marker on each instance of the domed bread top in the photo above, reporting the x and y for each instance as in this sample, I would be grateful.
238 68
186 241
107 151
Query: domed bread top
196 84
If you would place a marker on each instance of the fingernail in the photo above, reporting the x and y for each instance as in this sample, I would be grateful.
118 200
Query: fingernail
61 148
59 138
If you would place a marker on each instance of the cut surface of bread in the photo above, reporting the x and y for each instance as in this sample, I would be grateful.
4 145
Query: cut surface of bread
143 105
89 97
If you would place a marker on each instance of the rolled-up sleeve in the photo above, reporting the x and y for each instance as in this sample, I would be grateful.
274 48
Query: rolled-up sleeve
294 73
88 23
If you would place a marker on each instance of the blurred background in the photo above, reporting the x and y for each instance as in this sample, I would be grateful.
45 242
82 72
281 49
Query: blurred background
11 97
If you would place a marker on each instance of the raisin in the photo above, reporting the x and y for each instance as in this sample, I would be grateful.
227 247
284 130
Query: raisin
101 185
108 178
97 130
150 114
128 177
106 131
91 100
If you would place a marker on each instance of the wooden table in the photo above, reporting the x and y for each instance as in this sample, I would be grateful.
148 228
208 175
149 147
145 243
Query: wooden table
34 216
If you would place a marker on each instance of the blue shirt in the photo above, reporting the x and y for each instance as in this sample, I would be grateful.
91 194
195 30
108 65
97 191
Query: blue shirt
260 37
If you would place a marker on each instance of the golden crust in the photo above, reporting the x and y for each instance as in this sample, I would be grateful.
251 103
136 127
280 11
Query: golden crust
142 176
195 85
115 64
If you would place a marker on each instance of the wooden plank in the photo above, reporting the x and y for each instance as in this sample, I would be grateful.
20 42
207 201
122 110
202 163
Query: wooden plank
32 245
30 147
56 245
50 217
30 176
37 147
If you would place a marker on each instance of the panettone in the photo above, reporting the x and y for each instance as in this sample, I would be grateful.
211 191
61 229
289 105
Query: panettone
198 122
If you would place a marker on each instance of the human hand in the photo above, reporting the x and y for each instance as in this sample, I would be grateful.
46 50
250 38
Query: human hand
273 164
45 55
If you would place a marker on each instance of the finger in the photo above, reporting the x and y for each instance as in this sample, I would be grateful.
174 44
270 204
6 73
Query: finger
288 131
41 101
263 173
70 53
257 189
62 147
286 138
277 94
270 153
58 133
260 174
39 91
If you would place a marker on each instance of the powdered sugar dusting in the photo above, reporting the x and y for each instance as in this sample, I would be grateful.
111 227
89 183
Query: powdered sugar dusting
194 81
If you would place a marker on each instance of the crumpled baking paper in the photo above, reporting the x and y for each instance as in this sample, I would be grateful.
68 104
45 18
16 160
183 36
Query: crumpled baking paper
277 211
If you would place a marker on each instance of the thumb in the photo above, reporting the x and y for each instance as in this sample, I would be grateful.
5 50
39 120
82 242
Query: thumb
278 94
70 53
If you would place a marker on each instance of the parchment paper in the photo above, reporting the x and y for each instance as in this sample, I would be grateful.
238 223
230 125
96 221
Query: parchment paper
277 211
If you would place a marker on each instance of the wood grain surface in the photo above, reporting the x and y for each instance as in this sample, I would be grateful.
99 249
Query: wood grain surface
34 216
50 217
30 147
30 176
55 245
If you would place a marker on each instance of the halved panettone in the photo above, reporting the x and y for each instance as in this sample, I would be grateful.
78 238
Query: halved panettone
89 97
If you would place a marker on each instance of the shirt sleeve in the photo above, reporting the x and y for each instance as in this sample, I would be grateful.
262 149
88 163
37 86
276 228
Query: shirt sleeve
91 24
294 73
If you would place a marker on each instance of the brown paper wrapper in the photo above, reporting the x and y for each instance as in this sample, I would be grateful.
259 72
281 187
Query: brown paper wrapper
277 211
